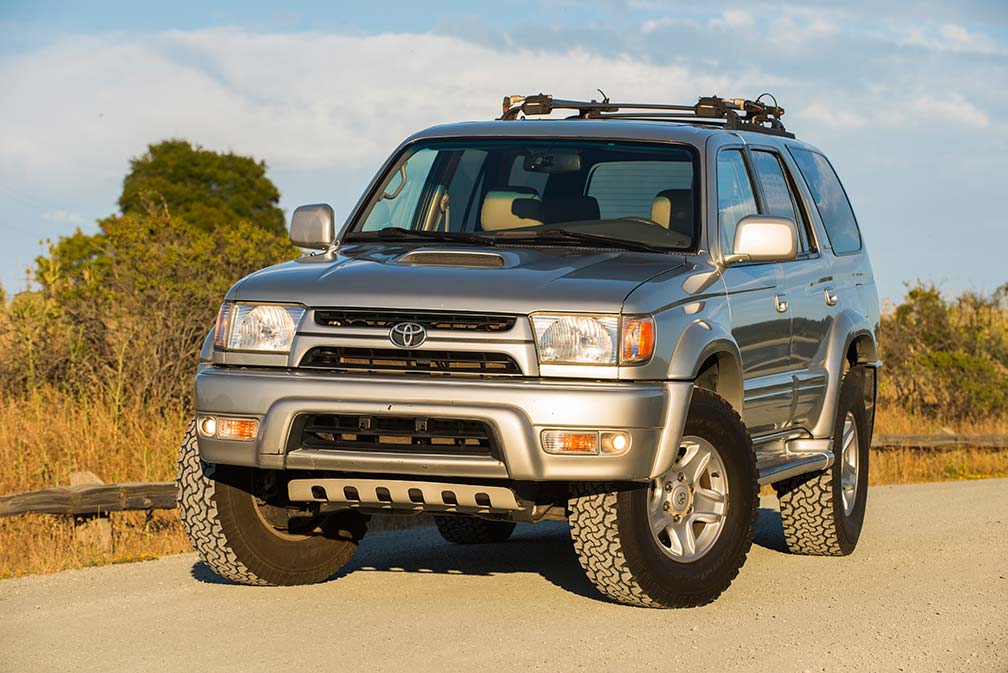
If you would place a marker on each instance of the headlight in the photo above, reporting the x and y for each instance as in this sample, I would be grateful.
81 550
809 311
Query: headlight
256 327
593 339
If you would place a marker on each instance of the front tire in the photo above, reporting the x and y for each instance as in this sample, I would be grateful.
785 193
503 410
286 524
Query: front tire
681 540
823 513
245 540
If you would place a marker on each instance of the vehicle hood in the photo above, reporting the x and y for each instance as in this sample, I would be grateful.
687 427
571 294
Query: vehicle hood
526 280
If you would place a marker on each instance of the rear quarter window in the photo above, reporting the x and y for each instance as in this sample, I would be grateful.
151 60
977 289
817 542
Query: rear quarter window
830 199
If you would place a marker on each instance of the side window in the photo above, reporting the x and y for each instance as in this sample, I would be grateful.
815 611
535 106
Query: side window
735 195
830 199
397 208
779 200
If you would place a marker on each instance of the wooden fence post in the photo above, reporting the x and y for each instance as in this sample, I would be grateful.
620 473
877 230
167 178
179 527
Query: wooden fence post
93 530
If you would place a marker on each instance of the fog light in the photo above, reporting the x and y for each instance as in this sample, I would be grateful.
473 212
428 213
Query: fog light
242 429
615 442
570 441
207 426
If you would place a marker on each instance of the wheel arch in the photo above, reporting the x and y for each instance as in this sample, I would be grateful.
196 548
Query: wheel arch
708 355
852 341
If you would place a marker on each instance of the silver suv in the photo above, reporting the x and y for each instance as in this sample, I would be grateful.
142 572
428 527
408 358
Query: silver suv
630 318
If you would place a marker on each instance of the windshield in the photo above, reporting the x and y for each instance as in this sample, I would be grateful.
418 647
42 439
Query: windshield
585 193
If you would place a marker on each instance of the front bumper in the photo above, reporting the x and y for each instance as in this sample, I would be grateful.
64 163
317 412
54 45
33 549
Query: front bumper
518 410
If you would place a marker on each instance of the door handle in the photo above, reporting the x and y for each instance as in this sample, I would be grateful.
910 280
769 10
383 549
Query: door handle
831 296
780 301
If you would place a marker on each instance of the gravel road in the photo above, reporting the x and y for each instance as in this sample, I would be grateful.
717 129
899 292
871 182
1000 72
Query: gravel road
926 590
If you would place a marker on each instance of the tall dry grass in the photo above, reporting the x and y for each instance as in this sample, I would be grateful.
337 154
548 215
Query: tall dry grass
49 435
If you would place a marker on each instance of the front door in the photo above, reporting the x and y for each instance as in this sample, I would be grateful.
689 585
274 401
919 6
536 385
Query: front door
760 315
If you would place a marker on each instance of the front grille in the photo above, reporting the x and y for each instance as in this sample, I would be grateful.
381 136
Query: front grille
459 322
348 432
394 360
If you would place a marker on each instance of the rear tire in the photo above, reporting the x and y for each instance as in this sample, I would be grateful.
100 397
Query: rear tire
473 530
633 556
821 517
246 541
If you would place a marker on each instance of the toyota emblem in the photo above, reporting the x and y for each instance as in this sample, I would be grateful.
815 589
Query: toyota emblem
407 335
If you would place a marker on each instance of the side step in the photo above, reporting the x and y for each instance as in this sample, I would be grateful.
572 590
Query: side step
799 456
418 496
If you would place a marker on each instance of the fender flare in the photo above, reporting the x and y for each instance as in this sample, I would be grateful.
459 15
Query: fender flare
848 326
700 341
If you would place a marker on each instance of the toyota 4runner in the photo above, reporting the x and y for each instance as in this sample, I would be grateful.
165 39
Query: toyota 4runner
629 318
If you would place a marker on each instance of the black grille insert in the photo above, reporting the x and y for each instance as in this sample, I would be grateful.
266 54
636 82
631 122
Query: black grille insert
398 434
459 322
444 363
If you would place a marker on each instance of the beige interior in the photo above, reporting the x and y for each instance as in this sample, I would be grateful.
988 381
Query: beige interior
673 209
511 208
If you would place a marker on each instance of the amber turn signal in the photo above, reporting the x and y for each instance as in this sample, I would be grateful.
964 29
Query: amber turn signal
638 339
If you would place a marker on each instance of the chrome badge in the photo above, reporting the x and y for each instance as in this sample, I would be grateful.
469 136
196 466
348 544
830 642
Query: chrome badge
407 335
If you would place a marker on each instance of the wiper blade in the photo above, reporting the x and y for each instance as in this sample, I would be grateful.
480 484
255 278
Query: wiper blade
399 233
566 236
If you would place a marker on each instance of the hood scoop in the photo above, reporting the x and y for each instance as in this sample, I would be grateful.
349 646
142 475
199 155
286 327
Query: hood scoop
452 258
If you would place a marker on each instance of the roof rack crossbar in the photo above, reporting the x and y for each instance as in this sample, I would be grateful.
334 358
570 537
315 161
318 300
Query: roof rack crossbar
736 113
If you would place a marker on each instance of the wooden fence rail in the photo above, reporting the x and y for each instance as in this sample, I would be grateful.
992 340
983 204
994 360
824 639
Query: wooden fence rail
89 499
93 499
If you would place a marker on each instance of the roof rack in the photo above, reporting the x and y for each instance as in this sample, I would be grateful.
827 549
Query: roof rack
737 114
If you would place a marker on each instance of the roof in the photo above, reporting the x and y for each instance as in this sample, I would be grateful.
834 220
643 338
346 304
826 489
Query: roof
602 129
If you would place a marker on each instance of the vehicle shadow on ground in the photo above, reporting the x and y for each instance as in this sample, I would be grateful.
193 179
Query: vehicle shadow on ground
544 549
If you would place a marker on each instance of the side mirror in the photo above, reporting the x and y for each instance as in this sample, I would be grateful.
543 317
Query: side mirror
313 226
759 238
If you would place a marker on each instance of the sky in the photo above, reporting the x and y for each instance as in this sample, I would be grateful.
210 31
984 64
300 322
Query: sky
903 97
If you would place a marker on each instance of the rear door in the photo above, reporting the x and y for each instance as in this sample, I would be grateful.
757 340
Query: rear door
761 323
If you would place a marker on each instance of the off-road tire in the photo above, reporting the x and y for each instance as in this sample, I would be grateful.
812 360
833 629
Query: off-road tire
615 546
473 530
223 526
811 506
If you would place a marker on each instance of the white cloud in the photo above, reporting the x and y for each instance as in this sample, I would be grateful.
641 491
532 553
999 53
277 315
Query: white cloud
950 37
306 99
733 19
63 217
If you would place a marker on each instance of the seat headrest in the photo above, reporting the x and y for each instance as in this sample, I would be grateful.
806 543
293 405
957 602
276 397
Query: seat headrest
511 208
570 209
673 209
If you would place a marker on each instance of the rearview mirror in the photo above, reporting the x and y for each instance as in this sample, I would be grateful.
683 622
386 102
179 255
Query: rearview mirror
313 226
759 238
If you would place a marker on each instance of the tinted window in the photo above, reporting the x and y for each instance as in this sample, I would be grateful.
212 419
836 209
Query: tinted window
777 191
629 188
735 195
830 199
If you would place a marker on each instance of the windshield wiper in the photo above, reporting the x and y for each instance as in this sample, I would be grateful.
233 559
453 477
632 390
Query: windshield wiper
399 233
566 236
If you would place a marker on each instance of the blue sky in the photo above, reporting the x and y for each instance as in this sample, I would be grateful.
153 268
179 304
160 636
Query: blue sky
903 98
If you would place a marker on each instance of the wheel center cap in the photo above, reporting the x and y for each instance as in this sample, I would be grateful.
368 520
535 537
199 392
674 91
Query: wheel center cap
680 498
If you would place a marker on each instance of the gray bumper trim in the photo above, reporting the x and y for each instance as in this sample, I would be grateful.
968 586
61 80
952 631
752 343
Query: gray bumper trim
652 413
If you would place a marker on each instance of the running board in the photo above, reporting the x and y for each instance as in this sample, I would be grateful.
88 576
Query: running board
425 496
800 456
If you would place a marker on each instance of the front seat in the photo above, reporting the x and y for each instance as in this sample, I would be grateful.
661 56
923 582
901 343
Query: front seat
511 208
673 209
570 209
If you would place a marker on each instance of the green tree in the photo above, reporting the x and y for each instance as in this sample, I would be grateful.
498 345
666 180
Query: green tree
208 189
122 313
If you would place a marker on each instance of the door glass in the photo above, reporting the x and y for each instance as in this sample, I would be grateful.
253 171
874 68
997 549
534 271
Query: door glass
735 195
779 200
